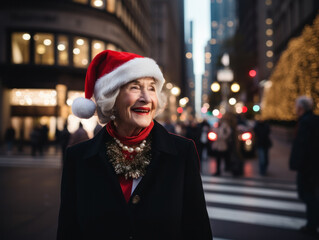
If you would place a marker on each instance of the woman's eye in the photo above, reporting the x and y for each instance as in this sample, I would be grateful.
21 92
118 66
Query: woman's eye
135 87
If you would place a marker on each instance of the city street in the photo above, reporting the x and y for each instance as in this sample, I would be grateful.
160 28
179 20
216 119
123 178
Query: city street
244 208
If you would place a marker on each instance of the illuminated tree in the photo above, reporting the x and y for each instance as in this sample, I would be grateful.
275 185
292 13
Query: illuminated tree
296 74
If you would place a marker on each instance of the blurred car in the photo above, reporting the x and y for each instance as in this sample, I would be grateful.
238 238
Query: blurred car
246 139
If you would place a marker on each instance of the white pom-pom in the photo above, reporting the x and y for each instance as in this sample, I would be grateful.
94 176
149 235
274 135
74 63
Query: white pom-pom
83 107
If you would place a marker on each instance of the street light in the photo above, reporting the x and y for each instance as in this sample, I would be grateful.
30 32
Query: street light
176 91
215 87
235 87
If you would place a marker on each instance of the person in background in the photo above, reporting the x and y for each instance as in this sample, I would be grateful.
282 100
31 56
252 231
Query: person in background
263 143
80 135
220 145
304 159
9 137
203 143
64 137
134 179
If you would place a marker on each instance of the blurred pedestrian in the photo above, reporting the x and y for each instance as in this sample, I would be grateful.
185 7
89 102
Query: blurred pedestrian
9 137
64 137
80 135
263 143
203 143
133 180
220 145
304 159
35 139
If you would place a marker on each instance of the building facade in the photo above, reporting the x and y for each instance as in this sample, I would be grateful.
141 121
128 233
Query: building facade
45 48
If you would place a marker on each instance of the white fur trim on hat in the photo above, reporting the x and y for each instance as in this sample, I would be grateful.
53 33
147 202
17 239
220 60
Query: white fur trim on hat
129 71
83 107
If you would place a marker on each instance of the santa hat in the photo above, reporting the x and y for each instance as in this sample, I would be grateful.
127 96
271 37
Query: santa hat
108 71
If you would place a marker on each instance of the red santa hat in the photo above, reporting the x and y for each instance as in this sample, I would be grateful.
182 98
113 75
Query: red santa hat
108 71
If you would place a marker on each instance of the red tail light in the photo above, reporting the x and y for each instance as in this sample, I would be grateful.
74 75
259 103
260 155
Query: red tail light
246 136
212 136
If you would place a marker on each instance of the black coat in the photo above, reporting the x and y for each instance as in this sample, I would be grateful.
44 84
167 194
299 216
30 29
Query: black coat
170 203
304 156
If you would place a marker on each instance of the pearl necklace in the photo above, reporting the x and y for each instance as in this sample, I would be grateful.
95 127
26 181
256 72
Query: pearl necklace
130 149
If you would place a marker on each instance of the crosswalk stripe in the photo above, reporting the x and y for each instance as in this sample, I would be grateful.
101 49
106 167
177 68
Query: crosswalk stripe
247 182
263 219
251 190
254 202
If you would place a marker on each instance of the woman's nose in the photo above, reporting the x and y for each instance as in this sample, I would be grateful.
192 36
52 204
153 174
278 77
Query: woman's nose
145 96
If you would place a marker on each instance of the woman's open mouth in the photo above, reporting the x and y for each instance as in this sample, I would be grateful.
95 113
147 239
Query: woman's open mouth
141 110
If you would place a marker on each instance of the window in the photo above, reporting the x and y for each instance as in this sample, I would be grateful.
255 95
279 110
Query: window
44 48
80 52
81 1
63 50
20 45
111 46
97 47
110 6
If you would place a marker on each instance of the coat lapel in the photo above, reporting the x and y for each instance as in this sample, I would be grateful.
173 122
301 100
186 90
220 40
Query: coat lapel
162 143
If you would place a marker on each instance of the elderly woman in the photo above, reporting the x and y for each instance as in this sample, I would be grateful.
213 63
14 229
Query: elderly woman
133 180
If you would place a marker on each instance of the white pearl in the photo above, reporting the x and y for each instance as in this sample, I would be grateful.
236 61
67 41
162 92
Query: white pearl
125 148
121 144
138 149
142 145
130 150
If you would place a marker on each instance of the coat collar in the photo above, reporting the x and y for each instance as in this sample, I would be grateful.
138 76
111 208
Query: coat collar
161 141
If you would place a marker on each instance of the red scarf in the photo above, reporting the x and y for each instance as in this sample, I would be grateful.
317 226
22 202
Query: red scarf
126 184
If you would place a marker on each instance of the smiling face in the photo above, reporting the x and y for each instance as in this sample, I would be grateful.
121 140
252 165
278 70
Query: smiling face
135 106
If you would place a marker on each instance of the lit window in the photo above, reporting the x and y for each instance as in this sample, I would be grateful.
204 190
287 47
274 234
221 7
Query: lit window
81 1
20 45
118 9
63 50
80 52
189 55
213 41
230 23
110 7
97 47
33 97
268 21
44 48
214 24
269 32
269 53
111 46
97 4
269 43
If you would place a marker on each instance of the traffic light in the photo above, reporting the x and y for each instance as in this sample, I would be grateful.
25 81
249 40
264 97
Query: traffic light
252 73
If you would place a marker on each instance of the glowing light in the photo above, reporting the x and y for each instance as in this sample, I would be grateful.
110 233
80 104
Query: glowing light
232 101
235 87
244 109
98 3
215 112
269 43
26 36
40 49
215 87
97 45
268 21
180 110
256 108
76 51
269 32
208 55
169 85
269 53
84 61
61 47
189 55
212 136
183 102
204 110
246 136
175 91
47 42
213 41
80 42
252 73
